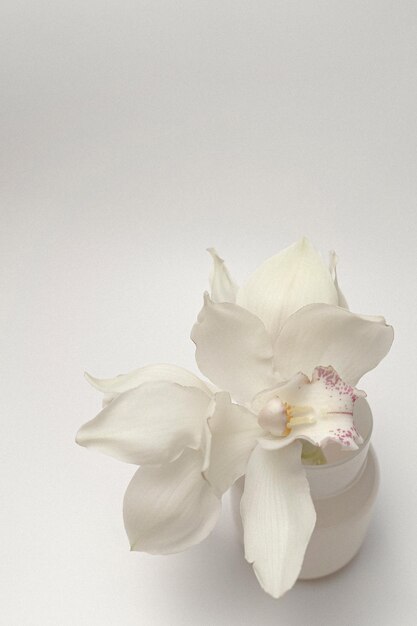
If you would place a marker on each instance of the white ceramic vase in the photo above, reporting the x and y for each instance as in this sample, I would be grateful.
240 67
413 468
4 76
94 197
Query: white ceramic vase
343 492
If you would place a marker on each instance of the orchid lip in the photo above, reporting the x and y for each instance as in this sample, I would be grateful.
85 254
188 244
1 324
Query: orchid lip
318 410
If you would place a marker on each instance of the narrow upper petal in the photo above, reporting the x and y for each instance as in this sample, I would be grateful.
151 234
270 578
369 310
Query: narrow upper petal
322 333
152 423
234 432
278 516
222 286
233 349
286 282
171 507
159 372
333 261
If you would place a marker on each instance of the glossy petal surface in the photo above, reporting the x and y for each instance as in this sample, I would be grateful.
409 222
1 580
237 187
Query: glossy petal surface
278 516
286 282
233 349
159 372
326 334
234 433
152 423
171 507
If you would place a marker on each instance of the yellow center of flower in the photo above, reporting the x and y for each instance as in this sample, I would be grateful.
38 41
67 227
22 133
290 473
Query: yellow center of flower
279 417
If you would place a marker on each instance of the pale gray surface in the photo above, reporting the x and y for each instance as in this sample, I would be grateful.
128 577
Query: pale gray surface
134 135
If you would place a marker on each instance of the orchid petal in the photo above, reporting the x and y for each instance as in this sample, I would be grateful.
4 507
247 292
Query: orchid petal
171 507
286 282
233 349
322 333
234 432
333 261
222 286
278 516
152 423
159 372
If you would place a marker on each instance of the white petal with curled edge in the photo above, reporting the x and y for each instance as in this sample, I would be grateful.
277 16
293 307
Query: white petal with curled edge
278 516
233 349
286 282
234 432
322 333
152 423
171 507
328 400
333 261
159 372
222 286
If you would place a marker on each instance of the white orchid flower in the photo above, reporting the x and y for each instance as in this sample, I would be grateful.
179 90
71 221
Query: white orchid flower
156 417
266 343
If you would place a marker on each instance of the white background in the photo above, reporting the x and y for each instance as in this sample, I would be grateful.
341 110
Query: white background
134 135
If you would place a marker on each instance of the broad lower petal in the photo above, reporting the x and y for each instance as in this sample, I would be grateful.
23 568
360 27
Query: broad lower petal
278 516
233 349
158 372
171 507
222 286
152 423
286 282
330 335
234 432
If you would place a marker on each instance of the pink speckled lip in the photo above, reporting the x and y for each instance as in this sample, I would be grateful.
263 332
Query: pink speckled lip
362 407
